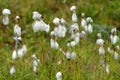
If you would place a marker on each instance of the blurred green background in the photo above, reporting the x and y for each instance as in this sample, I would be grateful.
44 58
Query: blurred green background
102 11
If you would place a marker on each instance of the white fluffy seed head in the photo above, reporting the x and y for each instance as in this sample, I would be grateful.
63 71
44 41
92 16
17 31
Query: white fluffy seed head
75 35
54 44
20 53
73 8
59 76
36 15
47 28
61 31
14 55
68 54
100 42
5 20
83 32
35 63
62 21
73 55
73 43
40 25
24 48
17 17
17 30
73 27
82 15
109 50
89 19
77 39
17 38
52 33
114 39
107 69
74 17
101 50
68 44
99 35
34 56
116 56
59 62
56 21
113 30
90 28
6 12
12 70
36 26
83 22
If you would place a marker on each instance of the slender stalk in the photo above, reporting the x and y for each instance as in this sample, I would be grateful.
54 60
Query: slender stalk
16 46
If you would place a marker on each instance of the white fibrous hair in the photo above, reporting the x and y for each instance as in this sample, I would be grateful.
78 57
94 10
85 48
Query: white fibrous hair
54 44
73 8
100 42
40 26
74 17
14 55
68 55
116 56
101 50
56 21
36 15
59 76
73 55
22 51
17 30
12 70
114 39
5 20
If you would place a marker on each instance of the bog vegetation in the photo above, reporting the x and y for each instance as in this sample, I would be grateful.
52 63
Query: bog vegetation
59 40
